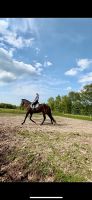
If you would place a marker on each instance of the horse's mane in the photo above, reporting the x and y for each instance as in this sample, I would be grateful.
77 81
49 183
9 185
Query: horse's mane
27 100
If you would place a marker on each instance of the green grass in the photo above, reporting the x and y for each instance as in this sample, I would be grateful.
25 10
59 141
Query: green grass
60 176
12 111
83 117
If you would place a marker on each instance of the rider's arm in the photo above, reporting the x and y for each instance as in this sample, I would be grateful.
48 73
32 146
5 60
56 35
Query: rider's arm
36 98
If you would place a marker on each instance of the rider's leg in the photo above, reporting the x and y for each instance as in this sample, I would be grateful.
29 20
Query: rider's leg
35 103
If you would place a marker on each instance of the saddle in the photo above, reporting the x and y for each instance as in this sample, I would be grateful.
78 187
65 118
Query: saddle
36 106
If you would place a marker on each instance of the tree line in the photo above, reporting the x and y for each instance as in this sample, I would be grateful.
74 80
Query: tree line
74 103
7 105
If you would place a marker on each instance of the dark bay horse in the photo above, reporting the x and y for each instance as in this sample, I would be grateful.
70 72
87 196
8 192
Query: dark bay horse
42 108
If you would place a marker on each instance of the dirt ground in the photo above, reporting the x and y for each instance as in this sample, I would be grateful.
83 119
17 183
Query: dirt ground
31 152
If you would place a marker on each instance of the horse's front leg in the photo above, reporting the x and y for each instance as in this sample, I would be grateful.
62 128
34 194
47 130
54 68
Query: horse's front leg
32 119
25 117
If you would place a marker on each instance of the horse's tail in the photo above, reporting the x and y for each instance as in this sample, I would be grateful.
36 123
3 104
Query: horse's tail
50 115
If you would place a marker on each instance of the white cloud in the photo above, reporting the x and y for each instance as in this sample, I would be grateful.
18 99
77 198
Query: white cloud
13 69
82 64
10 32
47 63
21 68
11 51
69 88
18 25
71 72
86 78
3 25
37 65
6 76
18 42
37 50
23 25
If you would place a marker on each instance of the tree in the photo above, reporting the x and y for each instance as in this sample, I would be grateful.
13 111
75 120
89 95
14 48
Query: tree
74 96
74 102
57 103
86 94
7 105
76 107
51 102
86 99
66 104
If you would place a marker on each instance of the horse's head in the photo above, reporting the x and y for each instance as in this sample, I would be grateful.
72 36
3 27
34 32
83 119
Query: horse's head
25 103
22 103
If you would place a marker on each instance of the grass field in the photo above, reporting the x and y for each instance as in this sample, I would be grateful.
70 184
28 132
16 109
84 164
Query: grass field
74 116
13 111
48 153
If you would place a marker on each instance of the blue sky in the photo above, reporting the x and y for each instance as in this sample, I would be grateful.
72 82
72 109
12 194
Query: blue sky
50 56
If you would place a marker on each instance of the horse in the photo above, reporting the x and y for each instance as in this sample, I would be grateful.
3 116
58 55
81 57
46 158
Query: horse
42 108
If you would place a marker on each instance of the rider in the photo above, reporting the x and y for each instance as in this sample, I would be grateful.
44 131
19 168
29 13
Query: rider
35 102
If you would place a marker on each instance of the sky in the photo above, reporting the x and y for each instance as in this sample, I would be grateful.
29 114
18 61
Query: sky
49 56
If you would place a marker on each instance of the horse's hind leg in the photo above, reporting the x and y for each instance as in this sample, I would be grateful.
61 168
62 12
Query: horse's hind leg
44 117
26 117
52 119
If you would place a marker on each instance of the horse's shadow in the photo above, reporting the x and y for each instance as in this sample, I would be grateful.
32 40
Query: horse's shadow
57 124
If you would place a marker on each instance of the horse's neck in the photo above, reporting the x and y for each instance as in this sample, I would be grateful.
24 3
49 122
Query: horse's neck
27 104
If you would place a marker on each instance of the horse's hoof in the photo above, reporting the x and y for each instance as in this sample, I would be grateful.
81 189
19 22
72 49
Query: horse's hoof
22 123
